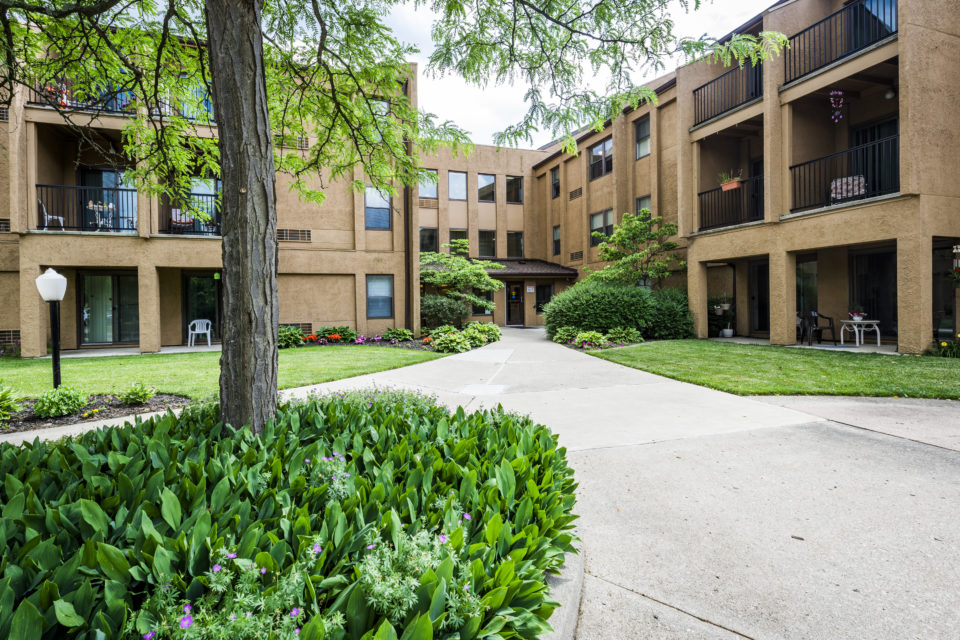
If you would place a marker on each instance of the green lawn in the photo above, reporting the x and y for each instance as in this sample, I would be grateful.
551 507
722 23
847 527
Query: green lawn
197 374
762 370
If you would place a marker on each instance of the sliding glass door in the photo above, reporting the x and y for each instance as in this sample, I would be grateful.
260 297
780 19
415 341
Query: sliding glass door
109 309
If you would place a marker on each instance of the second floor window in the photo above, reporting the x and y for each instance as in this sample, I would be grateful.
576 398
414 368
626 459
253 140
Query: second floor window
488 244
643 202
486 187
428 184
602 222
556 240
457 184
601 158
514 244
555 182
642 131
458 234
514 190
377 209
428 239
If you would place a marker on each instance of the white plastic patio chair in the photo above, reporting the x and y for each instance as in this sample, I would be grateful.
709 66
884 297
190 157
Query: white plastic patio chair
47 218
198 328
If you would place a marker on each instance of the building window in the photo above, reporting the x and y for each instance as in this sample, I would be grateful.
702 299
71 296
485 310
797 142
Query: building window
377 209
556 240
458 234
428 239
481 311
514 244
601 159
488 244
428 184
486 187
642 130
457 185
555 182
643 202
602 222
544 293
379 296
514 190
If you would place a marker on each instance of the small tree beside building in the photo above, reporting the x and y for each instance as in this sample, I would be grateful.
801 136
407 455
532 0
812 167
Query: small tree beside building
453 283
639 251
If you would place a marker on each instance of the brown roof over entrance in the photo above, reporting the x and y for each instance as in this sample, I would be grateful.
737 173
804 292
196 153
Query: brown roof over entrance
527 268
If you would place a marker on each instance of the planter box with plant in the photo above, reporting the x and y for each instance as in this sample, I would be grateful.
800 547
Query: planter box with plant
730 180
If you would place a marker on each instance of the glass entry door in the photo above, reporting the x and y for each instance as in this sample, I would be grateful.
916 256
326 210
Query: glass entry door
109 309
201 301
515 304
873 287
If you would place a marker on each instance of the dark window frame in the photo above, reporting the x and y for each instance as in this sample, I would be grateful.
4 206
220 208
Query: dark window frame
393 295
466 235
557 238
436 238
538 306
514 233
606 229
513 178
555 182
450 175
645 120
483 312
603 166
367 207
638 207
480 253
492 184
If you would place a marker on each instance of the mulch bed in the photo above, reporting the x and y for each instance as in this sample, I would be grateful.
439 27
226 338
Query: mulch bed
99 408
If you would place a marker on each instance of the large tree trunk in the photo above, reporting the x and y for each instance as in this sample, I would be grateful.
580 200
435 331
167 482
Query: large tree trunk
248 365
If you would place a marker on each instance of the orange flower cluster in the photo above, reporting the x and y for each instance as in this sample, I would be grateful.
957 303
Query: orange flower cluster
427 339
333 336
310 338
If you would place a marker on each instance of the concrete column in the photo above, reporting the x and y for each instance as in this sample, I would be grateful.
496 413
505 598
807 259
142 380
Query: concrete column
34 317
30 193
914 293
778 156
148 308
697 293
783 297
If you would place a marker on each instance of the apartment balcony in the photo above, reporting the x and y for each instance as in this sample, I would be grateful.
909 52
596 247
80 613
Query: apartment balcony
854 28
61 94
741 204
97 209
864 171
733 89
198 215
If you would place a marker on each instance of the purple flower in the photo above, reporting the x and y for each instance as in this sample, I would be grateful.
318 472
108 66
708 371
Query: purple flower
263 570
295 612
466 516
231 555
371 546
217 568
187 608
233 616
149 635
317 548
249 615
307 460
296 631
443 538
346 475
334 477
186 622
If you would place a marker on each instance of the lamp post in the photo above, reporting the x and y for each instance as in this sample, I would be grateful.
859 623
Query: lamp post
52 286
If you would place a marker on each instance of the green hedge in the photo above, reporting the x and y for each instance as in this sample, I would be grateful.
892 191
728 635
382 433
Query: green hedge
91 526
594 306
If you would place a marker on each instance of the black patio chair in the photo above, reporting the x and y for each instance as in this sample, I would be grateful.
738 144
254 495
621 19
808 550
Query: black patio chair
814 324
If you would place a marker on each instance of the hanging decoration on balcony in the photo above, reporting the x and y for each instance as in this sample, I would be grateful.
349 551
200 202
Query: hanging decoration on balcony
836 106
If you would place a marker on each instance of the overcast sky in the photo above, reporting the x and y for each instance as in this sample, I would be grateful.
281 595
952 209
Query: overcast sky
485 111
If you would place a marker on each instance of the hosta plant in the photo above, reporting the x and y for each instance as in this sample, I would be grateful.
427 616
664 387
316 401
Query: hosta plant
9 404
590 340
138 393
453 342
488 329
62 401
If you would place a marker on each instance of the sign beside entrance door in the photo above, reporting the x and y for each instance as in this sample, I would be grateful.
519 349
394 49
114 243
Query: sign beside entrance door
531 288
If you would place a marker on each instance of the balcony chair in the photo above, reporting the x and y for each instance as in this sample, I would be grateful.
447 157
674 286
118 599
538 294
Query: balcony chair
47 218
810 323
198 328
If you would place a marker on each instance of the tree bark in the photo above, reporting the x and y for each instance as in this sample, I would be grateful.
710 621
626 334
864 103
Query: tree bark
248 363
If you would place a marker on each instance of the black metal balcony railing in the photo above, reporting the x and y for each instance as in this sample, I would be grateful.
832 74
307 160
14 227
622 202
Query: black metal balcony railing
199 216
68 208
62 95
732 89
853 28
866 171
719 208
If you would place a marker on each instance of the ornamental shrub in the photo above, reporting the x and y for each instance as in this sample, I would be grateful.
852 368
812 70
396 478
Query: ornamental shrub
437 310
400 335
337 335
594 306
590 340
565 335
670 318
62 401
624 335
474 337
9 404
488 329
138 393
95 527
455 342
289 336
442 330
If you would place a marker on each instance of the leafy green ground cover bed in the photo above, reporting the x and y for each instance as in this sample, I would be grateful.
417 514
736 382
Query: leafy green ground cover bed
375 515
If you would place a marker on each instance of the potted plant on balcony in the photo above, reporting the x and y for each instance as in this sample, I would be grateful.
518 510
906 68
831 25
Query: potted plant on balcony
730 180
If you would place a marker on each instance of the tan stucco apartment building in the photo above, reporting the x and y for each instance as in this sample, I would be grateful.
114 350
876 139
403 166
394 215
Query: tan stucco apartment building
846 148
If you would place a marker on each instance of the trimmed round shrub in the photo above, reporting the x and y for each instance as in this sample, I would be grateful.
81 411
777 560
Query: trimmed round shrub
670 318
590 340
62 401
289 336
455 342
179 510
593 306
565 335
488 329
624 335
436 310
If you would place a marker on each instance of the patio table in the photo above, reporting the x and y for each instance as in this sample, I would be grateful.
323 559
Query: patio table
859 328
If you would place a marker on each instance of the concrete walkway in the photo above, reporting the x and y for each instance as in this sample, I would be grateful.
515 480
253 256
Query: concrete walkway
707 515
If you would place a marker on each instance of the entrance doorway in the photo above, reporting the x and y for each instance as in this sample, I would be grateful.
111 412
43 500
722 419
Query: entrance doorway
109 310
873 286
515 304
201 300
759 289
